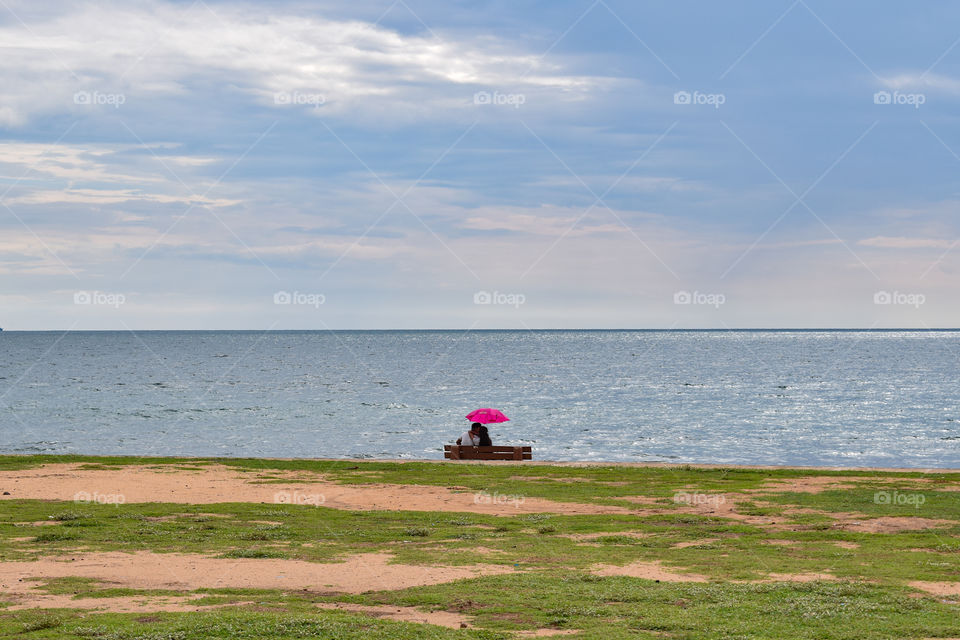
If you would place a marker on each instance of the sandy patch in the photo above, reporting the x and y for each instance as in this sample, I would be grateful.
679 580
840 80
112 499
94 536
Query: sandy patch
811 484
888 524
448 619
725 506
656 571
550 479
694 543
781 543
937 588
846 545
796 577
639 499
218 483
605 534
145 570
648 571
154 604
125 604
544 633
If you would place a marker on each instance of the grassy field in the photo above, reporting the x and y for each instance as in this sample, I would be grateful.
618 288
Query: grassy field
791 553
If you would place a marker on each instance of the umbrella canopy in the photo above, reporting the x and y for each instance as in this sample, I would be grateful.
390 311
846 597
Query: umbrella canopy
487 416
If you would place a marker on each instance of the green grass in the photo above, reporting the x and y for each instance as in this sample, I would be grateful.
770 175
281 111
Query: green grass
225 623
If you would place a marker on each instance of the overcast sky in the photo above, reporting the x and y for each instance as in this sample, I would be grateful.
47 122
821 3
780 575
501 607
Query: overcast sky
498 164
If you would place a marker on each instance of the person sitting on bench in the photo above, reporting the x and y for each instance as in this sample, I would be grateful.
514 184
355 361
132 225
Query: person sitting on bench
485 437
471 438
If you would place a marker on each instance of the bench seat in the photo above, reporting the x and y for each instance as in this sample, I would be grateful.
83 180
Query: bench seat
458 452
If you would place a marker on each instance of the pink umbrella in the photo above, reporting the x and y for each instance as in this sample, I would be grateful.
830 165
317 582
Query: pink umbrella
487 416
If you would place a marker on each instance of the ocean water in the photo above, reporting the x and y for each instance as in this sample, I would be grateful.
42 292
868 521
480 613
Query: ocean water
824 398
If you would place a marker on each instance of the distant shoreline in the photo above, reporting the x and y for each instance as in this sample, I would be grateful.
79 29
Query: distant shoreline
541 463
517 330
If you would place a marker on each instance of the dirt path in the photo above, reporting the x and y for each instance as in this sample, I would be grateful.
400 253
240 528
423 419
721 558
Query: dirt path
218 483
185 572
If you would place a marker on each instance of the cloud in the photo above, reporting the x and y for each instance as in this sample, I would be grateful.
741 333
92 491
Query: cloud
110 57
543 221
922 80
114 196
888 242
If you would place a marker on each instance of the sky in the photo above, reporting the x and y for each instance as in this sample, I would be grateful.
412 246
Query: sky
478 164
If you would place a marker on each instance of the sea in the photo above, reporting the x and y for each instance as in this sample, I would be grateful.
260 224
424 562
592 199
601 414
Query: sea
770 397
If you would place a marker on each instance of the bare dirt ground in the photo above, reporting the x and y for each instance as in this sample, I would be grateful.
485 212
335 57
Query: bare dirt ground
184 572
937 588
217 484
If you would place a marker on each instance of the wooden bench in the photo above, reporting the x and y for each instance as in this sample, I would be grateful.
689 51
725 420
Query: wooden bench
458 452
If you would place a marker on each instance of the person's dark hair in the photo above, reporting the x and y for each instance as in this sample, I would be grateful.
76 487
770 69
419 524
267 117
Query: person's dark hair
485 437
476 425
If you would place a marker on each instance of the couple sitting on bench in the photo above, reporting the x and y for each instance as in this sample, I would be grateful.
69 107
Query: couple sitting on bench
475 445
478 436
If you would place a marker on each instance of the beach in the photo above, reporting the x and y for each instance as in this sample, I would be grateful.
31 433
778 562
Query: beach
341 548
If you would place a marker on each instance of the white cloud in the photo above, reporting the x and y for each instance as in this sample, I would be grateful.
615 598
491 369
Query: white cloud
543 221
157 50
922 81
114 196
890 242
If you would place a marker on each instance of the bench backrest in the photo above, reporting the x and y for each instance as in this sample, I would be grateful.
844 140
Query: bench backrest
500 452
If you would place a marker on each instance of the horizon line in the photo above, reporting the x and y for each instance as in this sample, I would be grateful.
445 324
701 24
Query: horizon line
515 329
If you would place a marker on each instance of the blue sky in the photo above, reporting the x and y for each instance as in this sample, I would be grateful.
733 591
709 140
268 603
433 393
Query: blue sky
388 164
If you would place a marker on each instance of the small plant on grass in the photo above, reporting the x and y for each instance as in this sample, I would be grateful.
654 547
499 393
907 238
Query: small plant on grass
45 621
55 535
66 516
